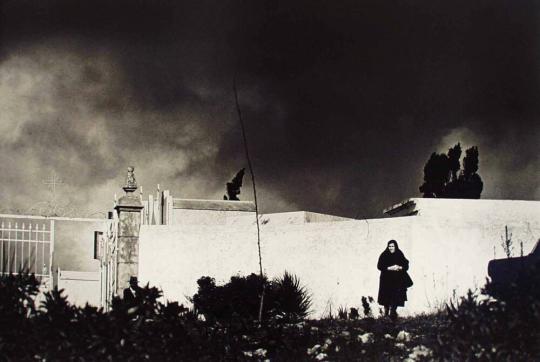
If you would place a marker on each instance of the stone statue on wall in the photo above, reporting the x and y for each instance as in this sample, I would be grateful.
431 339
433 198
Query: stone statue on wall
130 180
233 187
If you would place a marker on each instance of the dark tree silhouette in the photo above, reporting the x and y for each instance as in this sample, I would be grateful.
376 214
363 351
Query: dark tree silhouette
233 187
436 175
454 154
470 162
444 179
470 180
451 189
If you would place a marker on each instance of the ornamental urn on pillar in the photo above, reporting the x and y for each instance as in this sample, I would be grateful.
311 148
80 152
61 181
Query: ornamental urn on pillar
129 209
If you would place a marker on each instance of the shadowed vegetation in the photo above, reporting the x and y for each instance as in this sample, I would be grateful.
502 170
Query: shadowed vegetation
473 329
443 177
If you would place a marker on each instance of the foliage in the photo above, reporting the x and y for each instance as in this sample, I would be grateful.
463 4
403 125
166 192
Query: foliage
353 314
454 155
507 243
342 312
17 293
289 300
444 179
469 184
170 332
436 175
238 301
506 327
519 293
368 313
58 330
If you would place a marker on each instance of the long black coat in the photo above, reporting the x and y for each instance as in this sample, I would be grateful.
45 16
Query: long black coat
131 298
392 284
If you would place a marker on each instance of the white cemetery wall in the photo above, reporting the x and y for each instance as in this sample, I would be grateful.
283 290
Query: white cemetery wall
207 212
203 217
448 252
80 287
492 211
336 261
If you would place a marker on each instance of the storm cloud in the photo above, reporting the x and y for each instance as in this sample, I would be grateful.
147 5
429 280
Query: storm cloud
343 102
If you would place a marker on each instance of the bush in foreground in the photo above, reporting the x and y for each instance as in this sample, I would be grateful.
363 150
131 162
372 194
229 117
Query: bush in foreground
505 326
473 329
285 299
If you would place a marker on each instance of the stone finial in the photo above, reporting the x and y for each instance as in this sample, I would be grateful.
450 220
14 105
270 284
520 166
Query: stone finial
131 183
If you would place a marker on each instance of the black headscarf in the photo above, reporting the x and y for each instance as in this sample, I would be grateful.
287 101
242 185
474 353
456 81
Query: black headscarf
396 257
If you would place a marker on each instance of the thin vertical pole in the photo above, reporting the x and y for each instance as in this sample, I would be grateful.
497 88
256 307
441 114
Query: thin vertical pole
246 149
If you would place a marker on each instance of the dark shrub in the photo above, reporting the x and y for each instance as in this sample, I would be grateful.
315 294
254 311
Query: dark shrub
17 307
149 330
342 312
17 293
289 300
507 328
367 307
520 292
239 300
353 314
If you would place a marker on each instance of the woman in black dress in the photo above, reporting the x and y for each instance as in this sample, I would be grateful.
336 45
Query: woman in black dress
394 279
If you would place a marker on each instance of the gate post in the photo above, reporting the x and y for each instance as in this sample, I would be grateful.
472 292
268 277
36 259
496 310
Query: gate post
128 210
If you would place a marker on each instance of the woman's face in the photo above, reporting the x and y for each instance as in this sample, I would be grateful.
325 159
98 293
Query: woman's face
392 247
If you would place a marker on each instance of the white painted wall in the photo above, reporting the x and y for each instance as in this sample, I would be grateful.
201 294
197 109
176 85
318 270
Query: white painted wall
80 287
448 251
204 217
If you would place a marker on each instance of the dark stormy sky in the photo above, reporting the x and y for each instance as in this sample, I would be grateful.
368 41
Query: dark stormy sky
343 100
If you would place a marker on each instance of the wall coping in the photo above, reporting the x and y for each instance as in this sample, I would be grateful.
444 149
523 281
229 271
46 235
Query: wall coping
60 218
217 205
78 275
415 204
394 209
